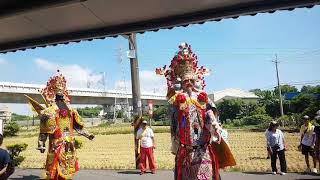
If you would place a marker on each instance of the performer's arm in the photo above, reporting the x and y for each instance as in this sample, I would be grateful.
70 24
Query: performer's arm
79 126
85 133
3 170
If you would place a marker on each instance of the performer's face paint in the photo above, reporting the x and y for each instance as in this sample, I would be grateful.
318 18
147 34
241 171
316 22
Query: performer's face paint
188 86
59 97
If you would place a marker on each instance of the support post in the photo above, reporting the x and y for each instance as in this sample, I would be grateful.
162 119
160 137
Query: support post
136 96
279 87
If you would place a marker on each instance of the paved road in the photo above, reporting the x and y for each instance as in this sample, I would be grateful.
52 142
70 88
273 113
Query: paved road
32 174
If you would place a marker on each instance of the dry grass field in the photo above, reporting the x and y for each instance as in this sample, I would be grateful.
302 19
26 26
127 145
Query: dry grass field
115 151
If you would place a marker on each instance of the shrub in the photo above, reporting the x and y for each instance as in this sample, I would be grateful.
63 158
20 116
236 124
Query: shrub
258 119
11 129
287 120
237 122
105 124
15 150
161 123
78 143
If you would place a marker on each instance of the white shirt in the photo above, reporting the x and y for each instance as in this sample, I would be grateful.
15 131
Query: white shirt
307 139
274 138
146 140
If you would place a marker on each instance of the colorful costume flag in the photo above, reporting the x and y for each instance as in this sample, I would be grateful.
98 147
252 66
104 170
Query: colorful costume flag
58 122
192 120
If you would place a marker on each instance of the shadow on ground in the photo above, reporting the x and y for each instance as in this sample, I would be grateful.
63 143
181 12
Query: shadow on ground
128 172
257 158
309 174
256 173
30 177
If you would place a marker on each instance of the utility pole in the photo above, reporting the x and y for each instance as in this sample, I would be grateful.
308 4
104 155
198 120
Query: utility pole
279 87
136 96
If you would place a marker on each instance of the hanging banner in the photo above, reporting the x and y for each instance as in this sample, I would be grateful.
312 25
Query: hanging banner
150 108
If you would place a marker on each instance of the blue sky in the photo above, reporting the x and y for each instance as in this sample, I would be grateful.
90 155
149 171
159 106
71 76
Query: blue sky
238 51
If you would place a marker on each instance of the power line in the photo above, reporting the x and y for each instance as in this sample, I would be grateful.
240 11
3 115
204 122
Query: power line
292 83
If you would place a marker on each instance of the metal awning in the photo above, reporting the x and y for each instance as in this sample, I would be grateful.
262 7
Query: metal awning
38 23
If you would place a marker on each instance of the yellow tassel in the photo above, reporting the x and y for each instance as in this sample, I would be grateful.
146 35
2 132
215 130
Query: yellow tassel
139 143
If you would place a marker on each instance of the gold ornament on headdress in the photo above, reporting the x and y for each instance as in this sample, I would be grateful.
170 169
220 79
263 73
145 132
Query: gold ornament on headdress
56 85
184 66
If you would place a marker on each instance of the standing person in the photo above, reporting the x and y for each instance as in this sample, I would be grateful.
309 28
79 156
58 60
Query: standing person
5 169
145 136
307 142
266 135
276 147
317 143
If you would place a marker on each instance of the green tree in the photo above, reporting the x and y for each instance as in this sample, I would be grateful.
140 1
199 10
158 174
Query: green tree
270 101
230 109
301 102
89 112
252 108
161 113
17 117
11 129
310 89
285 89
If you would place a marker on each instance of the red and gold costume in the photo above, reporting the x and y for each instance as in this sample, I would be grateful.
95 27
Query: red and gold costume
58 123
193 120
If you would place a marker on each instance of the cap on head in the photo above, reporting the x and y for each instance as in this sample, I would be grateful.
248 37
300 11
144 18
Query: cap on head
317 115
306 117
144 122
274 122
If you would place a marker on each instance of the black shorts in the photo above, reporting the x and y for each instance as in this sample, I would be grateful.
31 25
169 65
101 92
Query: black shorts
306 150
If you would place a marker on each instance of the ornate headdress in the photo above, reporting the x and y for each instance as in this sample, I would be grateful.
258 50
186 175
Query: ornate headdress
56 85
184 66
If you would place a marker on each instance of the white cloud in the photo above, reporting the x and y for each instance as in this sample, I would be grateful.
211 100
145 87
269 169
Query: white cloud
76 75
149 83
3 61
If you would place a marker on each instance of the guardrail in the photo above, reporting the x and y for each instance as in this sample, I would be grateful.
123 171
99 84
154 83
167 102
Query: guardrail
9 87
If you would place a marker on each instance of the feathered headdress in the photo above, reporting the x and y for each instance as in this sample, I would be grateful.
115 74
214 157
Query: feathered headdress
56 85
184 66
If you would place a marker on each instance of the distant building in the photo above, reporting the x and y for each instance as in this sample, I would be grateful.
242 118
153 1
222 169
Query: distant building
5 114
232 93
291 95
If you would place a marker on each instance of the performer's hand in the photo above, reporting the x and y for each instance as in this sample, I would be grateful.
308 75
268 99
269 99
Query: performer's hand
154 147
91 137
41 149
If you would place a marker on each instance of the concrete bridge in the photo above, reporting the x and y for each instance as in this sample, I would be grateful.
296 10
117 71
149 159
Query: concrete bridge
14 93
